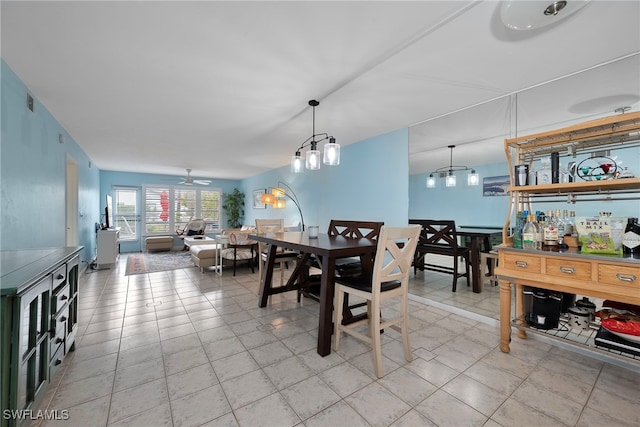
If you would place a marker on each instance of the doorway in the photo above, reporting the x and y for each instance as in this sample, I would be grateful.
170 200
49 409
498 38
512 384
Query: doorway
72 202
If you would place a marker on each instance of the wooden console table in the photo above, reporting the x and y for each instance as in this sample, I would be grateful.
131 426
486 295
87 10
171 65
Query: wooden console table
602 276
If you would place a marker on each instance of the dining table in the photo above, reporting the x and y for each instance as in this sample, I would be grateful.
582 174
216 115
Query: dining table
327 249
479 238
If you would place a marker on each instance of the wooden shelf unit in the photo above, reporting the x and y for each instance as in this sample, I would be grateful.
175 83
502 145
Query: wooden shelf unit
609 277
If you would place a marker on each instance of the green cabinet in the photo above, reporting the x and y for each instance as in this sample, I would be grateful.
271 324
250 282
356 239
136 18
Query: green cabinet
38 321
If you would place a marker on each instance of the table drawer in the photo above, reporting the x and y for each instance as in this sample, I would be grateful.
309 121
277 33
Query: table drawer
57 340
568 269
59 299
59 276
520 262
619 275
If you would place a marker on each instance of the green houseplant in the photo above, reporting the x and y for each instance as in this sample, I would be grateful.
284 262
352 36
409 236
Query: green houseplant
233 206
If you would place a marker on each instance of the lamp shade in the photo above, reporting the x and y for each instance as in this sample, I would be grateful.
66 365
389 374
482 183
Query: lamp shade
431 181
313 159
280 204
331 153
277 192
473 178
450 180
267 198
297 163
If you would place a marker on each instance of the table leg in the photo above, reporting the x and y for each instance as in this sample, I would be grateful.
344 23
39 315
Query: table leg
505 315
476 268
267 276
325 322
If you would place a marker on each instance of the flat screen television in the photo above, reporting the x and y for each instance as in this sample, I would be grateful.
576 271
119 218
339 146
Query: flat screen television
108 212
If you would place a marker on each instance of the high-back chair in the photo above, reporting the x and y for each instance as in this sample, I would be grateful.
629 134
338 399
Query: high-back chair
439 237
283 257
389 279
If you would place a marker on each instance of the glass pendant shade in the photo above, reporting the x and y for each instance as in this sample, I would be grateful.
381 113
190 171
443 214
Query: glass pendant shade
267 199
473 178
313 159
297 163
431 181
450 181
331 153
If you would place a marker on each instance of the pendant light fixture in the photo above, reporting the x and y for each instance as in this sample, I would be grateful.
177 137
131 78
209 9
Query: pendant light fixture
312 162
450 178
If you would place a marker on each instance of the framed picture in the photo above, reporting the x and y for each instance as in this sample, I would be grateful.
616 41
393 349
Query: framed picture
495 185
257 199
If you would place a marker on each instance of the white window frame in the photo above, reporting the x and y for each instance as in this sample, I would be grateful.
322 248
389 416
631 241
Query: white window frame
172 224
135 216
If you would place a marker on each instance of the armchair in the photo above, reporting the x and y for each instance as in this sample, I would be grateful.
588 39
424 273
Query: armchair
240 247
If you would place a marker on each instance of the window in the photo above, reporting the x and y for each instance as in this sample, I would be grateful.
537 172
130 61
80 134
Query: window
126 214
168 209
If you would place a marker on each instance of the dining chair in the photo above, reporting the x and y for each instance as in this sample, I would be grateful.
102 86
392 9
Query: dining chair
389 279
439 237
348 266
283 257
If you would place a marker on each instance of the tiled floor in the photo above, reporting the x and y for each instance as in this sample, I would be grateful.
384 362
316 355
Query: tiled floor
182 348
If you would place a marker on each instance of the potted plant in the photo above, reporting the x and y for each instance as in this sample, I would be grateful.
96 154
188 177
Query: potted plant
233 206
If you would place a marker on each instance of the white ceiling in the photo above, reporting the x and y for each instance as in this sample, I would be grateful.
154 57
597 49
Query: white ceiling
222 87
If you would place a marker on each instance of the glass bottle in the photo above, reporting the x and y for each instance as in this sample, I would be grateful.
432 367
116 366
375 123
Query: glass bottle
544 173
568 226
529 230
550 230
631 238
517 234
572 220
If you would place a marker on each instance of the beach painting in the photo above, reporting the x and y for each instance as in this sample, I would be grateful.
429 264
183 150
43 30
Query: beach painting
495 185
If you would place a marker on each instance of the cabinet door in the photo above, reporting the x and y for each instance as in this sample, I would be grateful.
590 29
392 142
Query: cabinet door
33 342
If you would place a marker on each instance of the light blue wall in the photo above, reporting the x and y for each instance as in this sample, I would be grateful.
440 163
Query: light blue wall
111 179
33 176
371 183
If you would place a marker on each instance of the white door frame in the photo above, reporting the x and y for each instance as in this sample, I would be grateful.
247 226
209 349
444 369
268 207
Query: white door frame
72 202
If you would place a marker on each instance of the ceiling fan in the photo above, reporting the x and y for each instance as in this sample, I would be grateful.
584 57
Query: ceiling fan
188 180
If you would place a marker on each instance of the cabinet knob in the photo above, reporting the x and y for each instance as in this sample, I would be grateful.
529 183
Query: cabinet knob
58 361
63 319
626 277
64 297
59 277
58 340
567 270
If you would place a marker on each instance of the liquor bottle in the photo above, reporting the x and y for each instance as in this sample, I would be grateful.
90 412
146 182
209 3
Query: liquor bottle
539 235
517 232
568 225
550 230
529 230
572 220
631 238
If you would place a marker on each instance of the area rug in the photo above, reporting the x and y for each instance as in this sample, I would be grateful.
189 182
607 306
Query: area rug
152 262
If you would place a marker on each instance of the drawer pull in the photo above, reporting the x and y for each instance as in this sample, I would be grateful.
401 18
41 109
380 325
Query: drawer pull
63 319
626 278
521 264
567 270
63 297
58 361
59 277
58 341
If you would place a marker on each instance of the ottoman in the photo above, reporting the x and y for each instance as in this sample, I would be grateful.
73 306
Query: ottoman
204 256
159 243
